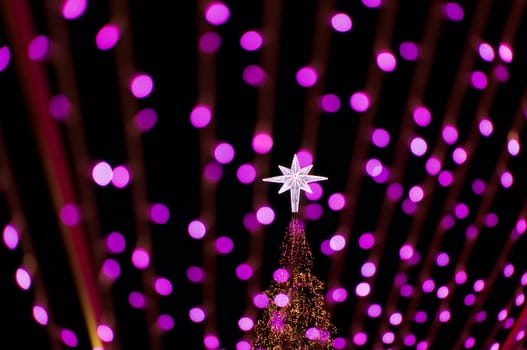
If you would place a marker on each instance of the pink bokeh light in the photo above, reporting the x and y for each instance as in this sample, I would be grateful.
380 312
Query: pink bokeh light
428 286
163 286
265 215
251 40
224 153
141 85
262 143
409 51
115 242
380 138
146 119
23 278
140 258
307 76
374 310
70 214
388 338
73 9
224 245
120 176
366 241
386 61
433 166
486 52
453 11
479 285
459 155
213 172
360 338
336 201
243 345
197 229
479 80
341 22
406 252
513 147
137 300
165 322
491 220
506 179
159 213
373 167
444 316
337 242
409 340
501 73
244 271
107 37
40 315
338 295
102 174
422 116
460 277
461 210
416 194
360 101
195 274
281 275
362 289
505 52
245 323
209 42
200 116
368 269
281 300
39 48
330 103
105 333
217 13
420 317
59 106
10 236
305 157
372 3
442 292
395 191
486 127
254 75
69 338
260 300
418 146
445 178
313 211
197 314
5 57
449 134
111 269
478 186
396 318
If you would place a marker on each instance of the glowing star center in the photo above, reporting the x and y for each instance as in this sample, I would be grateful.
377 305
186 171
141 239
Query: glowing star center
295 179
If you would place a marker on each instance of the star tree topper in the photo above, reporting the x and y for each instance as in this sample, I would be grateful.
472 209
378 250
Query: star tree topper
295 179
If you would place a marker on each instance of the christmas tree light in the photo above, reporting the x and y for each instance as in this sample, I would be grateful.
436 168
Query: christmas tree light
295 316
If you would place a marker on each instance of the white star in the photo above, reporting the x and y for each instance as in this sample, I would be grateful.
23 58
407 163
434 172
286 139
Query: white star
295 179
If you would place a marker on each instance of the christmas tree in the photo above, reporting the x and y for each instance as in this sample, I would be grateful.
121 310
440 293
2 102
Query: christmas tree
295 317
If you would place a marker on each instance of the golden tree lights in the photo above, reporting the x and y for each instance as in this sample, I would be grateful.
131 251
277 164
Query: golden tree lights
295 316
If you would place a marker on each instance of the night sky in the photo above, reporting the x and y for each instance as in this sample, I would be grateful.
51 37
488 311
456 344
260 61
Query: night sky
133 130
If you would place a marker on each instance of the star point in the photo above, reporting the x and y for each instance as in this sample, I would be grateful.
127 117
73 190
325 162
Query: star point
295 179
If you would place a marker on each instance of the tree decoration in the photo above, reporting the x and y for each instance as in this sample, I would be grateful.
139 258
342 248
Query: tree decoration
295 316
